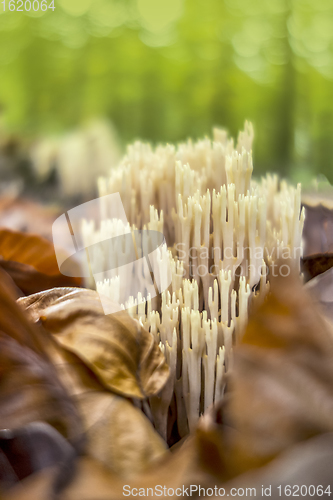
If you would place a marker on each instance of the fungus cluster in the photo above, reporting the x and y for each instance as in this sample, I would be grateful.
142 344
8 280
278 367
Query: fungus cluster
222 229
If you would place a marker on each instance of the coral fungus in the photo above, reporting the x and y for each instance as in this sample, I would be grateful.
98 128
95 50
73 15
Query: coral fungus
223 229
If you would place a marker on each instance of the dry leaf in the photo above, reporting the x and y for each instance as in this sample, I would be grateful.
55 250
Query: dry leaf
280 391
91 482
308 463
28 249
123 355
31 262
282 386
119 435
29 387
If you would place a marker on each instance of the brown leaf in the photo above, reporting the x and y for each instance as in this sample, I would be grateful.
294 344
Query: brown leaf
28 249
31 262
308 463
119 435
30 281
29 386
92 481
282 389
95 482
123 355
281 399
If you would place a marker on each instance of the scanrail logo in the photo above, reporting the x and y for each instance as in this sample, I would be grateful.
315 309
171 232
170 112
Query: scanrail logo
127 265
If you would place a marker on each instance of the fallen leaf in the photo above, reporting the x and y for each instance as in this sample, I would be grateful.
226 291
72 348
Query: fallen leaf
38 485
28 249
123 355
297 471
119 435
29 281
29 387
31 262
307 463
92 481
282 385
280 391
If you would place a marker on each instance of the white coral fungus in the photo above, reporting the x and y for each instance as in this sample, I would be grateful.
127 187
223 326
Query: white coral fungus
222 228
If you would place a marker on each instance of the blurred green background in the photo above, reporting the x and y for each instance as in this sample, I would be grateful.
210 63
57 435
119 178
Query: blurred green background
164 70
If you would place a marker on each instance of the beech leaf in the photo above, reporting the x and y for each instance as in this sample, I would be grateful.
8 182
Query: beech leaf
119 435
31 262
280 390
123 355
282 386
29 387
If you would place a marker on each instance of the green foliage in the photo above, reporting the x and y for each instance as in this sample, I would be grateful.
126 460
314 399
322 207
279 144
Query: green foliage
163 70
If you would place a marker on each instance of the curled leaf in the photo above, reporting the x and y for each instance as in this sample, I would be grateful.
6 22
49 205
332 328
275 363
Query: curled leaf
119 435
29 387
31 262
28 249
283 377
280 392
123 355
